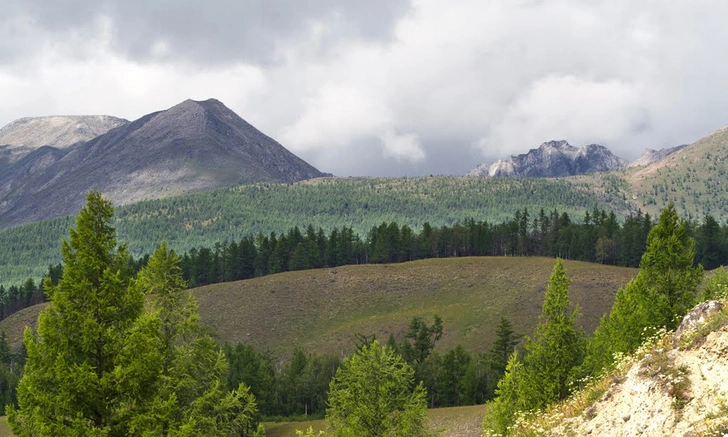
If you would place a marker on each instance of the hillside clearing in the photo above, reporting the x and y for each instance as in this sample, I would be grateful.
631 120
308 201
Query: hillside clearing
322 310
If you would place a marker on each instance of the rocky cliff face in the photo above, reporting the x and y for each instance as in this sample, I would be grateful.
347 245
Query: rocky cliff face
191 147
554 159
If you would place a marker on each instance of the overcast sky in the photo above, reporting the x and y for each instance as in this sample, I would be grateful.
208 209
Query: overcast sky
384 87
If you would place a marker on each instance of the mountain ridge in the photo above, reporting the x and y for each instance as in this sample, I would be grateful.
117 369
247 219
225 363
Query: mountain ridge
193 146
558 158
554 159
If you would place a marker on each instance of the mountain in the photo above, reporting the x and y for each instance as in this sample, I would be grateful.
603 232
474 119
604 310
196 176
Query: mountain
651 156
194 146
693 178
21 137
554 159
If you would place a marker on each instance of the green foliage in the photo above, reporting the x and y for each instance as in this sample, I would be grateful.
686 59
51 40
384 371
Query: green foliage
203 219
420 340
88 364
667 267
501 412
190 395
309 433
11 370
716 287
503 347
662 293
373 395
552 356
100 365
557 346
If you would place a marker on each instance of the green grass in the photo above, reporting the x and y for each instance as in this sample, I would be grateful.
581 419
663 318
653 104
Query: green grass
4 427
322 310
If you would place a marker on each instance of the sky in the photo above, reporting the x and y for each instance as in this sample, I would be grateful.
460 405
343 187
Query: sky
384 87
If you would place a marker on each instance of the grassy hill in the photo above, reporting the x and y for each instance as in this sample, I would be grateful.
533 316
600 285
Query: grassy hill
230 214
322 310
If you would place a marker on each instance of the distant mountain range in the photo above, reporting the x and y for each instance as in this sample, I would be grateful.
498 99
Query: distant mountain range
560 159
47 164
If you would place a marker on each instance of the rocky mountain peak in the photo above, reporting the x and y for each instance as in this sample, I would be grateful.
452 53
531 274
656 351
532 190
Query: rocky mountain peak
554 159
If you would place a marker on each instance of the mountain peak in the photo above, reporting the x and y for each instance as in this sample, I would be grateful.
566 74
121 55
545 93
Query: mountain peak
554 159
193 146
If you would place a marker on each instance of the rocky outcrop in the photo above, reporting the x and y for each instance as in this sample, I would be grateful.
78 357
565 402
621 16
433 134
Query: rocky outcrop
554 159
675 387
191 147
651 156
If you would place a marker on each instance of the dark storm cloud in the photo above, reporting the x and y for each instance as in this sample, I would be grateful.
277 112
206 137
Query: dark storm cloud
253 31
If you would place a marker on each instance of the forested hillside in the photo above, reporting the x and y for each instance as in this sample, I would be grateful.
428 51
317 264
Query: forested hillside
231 214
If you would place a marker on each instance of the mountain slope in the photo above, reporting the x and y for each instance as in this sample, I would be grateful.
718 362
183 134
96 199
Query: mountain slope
321 310
695 179
554 159
191 147
651 156
204 219
21 137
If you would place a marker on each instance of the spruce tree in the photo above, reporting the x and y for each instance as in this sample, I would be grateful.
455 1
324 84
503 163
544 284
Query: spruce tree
92 359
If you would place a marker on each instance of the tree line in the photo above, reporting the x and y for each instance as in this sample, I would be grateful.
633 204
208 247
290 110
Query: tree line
299 386
598 237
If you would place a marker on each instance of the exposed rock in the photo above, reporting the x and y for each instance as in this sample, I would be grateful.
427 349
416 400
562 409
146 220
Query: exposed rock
554 159
696 317
651 156
191 147
669 391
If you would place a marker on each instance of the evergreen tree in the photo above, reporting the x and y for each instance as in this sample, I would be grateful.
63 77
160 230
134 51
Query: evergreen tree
190 393
662 293
501 412
556 348
91 360
373 394
668 271
503 346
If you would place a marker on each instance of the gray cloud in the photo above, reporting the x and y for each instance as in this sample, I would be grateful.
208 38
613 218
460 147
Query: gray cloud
385 87
224 31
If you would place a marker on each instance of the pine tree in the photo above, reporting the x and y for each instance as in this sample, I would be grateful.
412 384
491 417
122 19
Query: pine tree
501 412
90 361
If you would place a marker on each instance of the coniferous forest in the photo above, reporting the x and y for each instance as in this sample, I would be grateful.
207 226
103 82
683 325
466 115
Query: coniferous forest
597 236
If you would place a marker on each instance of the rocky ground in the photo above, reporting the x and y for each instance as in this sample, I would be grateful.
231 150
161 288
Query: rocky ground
677 386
